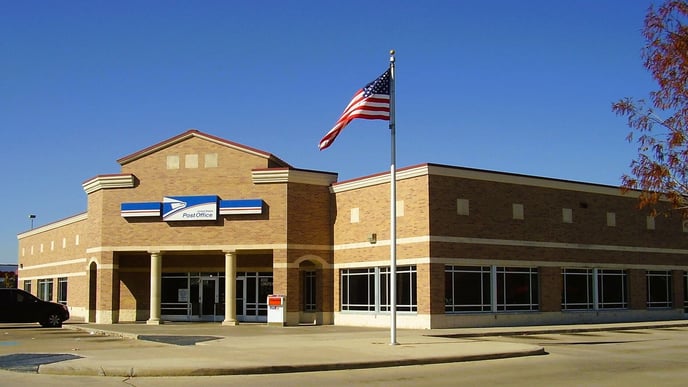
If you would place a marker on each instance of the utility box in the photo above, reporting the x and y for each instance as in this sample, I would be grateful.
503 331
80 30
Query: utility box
277 310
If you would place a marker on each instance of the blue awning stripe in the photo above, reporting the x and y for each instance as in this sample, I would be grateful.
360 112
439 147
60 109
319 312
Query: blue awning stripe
140 209
244 206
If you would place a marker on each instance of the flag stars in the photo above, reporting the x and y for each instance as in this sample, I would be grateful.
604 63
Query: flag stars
378 86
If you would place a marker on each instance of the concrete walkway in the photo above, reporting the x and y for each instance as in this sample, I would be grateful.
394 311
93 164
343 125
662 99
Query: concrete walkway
187 349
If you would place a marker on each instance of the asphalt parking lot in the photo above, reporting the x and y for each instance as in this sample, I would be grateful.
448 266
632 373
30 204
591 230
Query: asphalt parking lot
25 347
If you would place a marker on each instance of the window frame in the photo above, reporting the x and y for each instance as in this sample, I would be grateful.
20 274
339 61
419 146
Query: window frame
310 290
355 302
374 289
509 297
481 300
505 292
45 289
589 303
62 283
659 289
603 289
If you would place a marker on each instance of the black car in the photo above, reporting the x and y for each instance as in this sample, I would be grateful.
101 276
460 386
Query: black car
19 306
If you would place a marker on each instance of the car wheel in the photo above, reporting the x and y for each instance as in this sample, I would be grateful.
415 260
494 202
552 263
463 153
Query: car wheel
53 321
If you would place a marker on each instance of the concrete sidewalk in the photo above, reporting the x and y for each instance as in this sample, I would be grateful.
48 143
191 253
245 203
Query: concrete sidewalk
187 349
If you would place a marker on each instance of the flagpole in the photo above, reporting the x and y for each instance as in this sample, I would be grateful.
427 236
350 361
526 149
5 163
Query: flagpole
393 211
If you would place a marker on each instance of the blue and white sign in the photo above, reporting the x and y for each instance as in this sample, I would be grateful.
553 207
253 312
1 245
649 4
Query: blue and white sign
187 208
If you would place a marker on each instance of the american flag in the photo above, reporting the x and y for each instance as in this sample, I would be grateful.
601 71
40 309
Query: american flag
370 103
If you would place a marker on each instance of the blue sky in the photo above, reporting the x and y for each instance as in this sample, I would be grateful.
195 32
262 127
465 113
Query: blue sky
513 86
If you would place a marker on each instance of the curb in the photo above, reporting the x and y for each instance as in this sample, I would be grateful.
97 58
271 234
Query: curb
133 336
55 369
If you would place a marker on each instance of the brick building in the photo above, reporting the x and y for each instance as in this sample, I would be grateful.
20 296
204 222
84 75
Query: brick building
160 238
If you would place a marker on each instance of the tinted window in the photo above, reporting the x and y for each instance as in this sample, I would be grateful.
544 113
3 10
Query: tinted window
5 297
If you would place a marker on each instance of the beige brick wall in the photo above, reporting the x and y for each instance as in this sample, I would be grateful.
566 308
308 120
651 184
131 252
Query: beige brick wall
309 220
374 212
57 251
50 245
491 218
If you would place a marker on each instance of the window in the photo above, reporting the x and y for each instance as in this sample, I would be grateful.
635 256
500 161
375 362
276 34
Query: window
577 290
27 285
309 291
613 289
659 289
368 289
517 288
174 294
594 289
62 290
358 289
467 289
45 289
490 289
406 289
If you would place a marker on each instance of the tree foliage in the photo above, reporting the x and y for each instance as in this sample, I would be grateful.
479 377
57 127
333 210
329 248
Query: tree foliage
660 170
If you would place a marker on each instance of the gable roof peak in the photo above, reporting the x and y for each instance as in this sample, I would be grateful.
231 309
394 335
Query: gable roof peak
198 134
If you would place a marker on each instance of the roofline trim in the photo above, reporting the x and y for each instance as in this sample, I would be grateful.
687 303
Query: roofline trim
479 174
54 225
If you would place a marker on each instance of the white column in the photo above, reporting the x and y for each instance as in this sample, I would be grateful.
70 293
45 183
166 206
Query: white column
230 289
155 289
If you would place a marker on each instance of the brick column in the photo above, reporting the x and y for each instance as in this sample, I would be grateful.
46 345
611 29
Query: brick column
230 289
637 285
155 288
677 283
435 289
107 289
285 281
551 284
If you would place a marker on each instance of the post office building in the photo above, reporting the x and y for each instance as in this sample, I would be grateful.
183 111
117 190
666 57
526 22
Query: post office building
199 228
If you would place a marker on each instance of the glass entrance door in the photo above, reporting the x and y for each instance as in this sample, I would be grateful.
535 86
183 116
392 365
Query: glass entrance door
240 291
209 297
252 293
